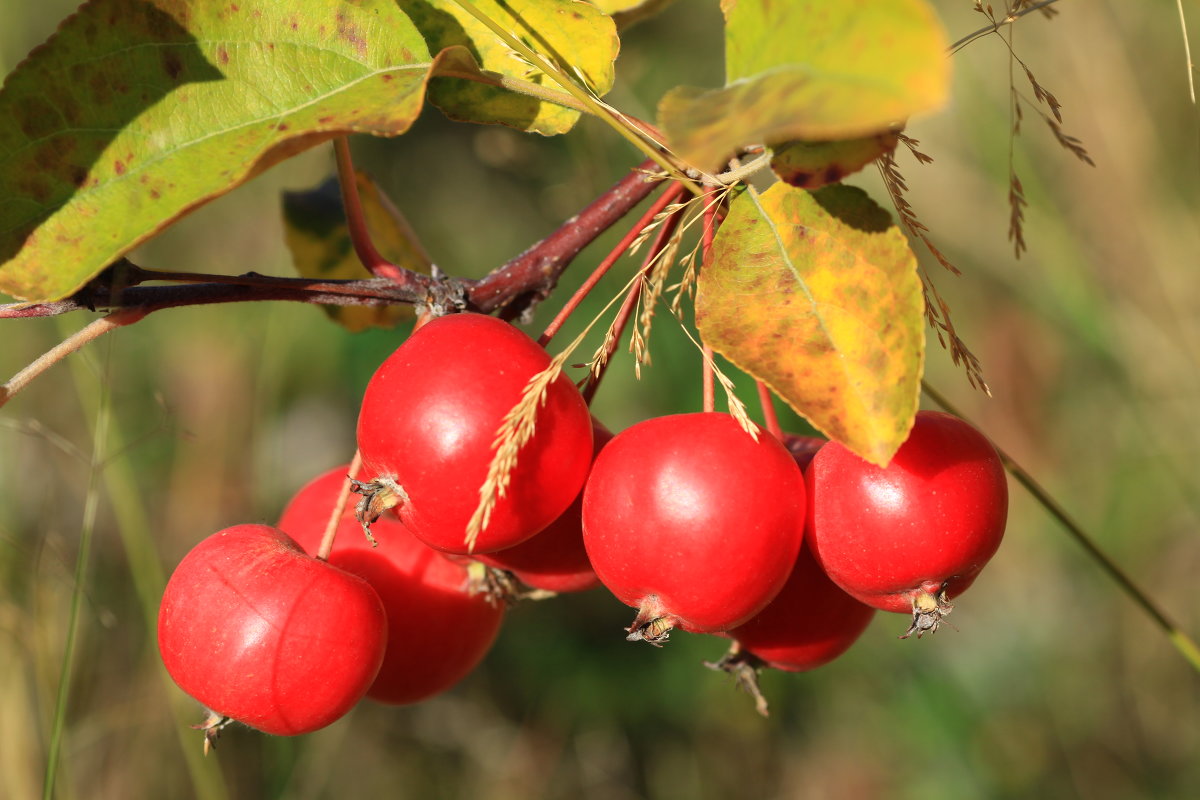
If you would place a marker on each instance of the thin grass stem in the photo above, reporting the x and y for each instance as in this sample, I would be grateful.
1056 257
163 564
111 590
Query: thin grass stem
87 530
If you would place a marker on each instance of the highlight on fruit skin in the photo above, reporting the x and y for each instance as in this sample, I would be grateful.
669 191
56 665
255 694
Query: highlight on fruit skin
259 632
910 537
431 418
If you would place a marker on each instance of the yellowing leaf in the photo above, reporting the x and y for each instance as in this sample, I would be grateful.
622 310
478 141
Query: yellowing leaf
319 240
575 35
817 295
811 69
137 111
811 165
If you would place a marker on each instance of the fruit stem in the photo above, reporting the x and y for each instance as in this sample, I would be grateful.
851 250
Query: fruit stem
356 222
617 328
768 408
1182 642
710 230
339 508
709 376
669 196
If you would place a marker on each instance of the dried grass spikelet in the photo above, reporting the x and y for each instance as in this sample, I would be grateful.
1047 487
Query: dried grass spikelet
515 431
937 310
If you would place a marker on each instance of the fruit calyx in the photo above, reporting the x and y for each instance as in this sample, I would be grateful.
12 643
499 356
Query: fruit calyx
745 667
652 624
378 495
929 612
500 586
212 726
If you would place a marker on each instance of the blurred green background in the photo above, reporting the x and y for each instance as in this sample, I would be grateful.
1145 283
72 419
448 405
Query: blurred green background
1053 685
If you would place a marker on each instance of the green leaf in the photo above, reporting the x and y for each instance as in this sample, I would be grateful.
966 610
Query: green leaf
817 295
811 165
811 69
574 35
315 229
137 111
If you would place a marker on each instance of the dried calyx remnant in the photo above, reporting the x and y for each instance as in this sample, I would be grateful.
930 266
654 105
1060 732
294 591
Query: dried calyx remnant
929 613
379 495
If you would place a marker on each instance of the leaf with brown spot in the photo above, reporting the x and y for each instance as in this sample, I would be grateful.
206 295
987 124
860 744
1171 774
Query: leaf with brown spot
811 165
817 295
811 70
137 111
318 238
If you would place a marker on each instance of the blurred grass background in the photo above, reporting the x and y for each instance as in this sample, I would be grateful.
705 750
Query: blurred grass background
1053 686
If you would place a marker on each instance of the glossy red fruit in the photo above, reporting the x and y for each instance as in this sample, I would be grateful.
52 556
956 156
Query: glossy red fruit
429 421
262 633
808 624
555 560
437 633
909 537
693 522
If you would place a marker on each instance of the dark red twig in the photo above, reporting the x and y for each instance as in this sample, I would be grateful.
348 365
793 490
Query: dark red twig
625 312
510 288
530 277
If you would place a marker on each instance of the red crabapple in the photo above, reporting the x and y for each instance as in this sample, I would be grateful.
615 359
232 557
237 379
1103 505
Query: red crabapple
693 521
912 535
429 423
261 633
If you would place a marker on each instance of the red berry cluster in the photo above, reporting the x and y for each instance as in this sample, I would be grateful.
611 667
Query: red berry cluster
689 518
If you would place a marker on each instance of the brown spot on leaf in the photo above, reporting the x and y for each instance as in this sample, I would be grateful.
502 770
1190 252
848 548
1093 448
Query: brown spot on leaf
172 63
352 34
833 174
799 178
386 78
223 54
78 176
119 167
